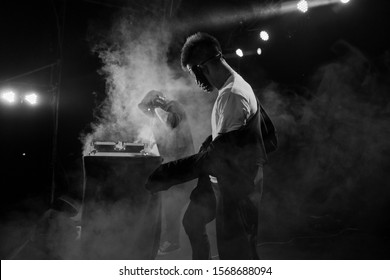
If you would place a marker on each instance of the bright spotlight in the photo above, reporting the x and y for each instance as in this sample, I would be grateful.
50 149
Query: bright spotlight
344 1
9 96
31 98
239 52
264 35
303 6
258 51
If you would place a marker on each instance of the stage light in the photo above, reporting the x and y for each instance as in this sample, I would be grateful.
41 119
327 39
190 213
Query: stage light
303 6
31 98
344 1
258 51
264 35
9 96
239 52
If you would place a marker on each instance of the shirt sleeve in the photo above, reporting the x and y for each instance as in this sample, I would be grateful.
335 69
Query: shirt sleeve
233 110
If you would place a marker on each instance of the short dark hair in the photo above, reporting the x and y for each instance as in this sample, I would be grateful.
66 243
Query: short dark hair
198 47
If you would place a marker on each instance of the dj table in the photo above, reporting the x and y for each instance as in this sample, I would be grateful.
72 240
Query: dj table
120 219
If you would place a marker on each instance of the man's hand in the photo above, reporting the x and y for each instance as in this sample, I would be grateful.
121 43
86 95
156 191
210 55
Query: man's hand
152 100
160 101
150 96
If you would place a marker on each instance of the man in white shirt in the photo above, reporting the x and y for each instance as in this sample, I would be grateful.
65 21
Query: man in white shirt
232 158
235 104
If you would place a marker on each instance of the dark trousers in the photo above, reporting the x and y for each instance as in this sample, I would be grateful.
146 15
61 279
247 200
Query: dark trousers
237 223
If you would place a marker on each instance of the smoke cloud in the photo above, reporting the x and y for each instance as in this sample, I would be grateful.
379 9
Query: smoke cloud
135 56
135 60
334 149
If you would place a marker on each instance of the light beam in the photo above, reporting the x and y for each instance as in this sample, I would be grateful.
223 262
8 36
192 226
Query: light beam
31 98
303 6
9 96
264 35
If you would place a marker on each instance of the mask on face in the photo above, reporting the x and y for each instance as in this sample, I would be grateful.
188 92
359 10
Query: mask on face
201 79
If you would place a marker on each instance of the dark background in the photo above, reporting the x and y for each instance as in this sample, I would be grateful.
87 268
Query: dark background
40 33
